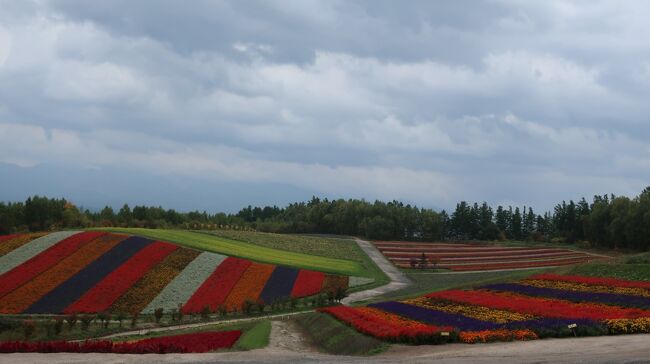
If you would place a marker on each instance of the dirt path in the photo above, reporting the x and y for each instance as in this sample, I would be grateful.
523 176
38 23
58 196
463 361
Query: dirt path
201 324
592 350
398 280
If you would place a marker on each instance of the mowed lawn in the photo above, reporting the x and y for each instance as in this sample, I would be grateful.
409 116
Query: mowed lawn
254 252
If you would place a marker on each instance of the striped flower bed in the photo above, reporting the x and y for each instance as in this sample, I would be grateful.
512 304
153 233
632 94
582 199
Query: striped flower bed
102 295
249 286
519 311
24 296
473 257
89 272
179 290
43 261
214 291
26 252
149 286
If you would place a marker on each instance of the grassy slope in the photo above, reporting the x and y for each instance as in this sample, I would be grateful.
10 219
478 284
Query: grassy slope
312 245
632 267
338 248
248 251
256 337
334 337
425 283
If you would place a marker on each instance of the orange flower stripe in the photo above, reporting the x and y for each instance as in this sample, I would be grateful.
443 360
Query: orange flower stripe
149 286
582 287
477 312
249 286
17 242
472 337
25 295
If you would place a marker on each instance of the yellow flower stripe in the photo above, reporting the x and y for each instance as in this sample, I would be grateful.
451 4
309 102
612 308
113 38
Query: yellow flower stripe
570 286
629 326
477 312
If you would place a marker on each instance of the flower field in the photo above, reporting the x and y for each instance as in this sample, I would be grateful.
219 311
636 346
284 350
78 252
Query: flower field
544 305
89 272
476 257
188 343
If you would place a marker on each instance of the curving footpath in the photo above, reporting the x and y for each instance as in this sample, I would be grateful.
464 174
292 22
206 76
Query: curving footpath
398 280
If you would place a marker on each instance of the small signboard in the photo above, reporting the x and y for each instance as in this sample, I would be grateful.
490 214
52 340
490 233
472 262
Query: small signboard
444 333
573 326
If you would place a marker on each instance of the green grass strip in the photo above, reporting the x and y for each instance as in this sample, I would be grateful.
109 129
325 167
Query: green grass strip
255 338
241 249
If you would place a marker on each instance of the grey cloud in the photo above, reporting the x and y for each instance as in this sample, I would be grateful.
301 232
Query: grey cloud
431 102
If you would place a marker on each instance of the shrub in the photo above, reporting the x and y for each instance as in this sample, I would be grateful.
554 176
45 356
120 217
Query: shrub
28 329
71 320
158 314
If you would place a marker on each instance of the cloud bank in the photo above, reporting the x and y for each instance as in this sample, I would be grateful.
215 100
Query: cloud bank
500 101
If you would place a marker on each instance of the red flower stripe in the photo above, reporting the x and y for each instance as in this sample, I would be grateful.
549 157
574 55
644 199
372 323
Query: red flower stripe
102 295
308 283
545 307
249 286
19 299
8 237
214 291
189 343
41 262
594 281
380 324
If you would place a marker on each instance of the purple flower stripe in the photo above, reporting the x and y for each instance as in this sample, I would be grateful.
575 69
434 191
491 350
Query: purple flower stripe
465 323
575 296
440 318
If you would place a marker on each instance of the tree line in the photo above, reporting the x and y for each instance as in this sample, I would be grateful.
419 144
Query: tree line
607 221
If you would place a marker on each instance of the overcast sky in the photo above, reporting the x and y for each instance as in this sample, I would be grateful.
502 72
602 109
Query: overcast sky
216 105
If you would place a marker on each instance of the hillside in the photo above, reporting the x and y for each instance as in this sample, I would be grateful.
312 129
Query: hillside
241 249
97 271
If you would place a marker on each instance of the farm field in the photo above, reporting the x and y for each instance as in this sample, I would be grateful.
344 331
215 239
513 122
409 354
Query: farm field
542 305
475 257
242 249
96 271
